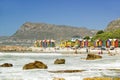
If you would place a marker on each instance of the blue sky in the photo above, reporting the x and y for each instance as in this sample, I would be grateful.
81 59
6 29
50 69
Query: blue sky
93 14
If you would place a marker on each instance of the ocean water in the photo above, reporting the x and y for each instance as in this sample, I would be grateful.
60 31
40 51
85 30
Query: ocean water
93 68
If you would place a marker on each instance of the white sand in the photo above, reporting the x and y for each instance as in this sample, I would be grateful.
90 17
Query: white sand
116 51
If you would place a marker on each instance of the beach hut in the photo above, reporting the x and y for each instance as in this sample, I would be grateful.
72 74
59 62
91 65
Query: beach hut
77 43
52 43
44 43
89 43
68 43
108 43
40 44
82 43
73 43
114 43
35 44
86 43
104 43
64 43
48 43
98 43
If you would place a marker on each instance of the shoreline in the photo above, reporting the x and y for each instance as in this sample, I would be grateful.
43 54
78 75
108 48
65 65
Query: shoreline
37 50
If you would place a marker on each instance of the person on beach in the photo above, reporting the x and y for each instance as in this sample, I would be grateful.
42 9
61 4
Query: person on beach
100 52
110 53
75 51
86 50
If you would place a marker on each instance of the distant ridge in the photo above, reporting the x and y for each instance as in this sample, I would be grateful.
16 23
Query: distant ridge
32 31
3 37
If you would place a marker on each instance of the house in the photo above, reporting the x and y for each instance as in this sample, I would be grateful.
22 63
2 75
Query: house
74 38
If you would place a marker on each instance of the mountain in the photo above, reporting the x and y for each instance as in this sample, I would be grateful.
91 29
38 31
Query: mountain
3 38
34 31
113 25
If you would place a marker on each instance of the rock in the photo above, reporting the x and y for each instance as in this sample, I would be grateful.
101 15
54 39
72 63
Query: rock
14 49
35 65
66 71
116 78
59 61
98 78
58 79
6 65
93 56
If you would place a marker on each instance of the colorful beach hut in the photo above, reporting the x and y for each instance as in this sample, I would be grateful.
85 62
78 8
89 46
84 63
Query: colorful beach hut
82 43
77 43
114 43
108 43
98 43
44 43
52 43
86 43
89 43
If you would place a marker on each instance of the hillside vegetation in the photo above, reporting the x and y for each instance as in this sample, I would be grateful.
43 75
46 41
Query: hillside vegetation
108 35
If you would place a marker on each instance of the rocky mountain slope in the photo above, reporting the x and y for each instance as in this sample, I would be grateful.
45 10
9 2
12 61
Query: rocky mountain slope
50 31
113 25
2 38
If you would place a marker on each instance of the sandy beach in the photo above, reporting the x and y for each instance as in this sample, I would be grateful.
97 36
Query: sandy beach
116 51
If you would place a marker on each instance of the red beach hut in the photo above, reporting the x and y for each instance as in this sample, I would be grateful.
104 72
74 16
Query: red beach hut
115 43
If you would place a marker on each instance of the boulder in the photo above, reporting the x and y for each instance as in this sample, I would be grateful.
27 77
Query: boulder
6 65
58 79
59 61
14 48
35 65
100 78
93 57
66 71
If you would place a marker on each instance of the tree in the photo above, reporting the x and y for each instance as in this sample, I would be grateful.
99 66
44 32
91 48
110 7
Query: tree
100 32
86 37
